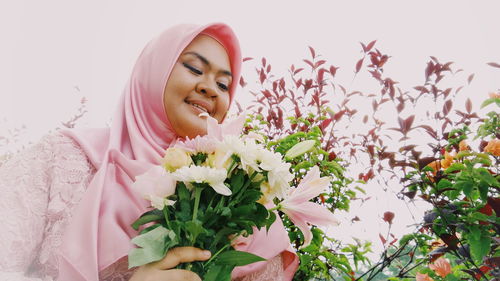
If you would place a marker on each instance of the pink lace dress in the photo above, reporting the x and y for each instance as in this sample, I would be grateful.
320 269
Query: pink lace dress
39 189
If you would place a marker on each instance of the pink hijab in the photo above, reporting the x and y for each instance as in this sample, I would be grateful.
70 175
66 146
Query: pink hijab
99 233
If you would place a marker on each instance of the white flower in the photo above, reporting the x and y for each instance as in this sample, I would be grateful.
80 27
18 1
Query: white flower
245 151
155 185
214 177
279 180
176 157
269 160
279 175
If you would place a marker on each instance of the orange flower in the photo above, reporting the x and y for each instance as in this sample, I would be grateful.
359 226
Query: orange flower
448 159
435 165
493 147
494 95
463 146
441 266
423 277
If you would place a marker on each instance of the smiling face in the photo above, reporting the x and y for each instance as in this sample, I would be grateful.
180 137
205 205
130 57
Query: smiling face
199 83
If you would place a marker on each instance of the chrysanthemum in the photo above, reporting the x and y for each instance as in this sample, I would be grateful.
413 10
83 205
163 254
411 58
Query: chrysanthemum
199 174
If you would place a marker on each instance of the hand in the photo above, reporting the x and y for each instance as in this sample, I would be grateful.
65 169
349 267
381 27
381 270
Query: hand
161 270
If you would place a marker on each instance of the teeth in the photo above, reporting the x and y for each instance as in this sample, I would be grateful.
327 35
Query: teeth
199 106
203 114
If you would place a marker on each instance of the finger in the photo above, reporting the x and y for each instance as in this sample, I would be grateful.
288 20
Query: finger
179 274
179 255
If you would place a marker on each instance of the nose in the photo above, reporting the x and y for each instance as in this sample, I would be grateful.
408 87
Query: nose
207 89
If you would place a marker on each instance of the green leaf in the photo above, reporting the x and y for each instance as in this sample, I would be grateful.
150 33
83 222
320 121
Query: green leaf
455 167
154 246
479 246
271 220
237 181
194 228
147 217
238 258
444 183
490 101
299 149
218 272
484 175
452 277
483 190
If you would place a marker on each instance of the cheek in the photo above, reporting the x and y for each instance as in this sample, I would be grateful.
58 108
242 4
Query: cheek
223 107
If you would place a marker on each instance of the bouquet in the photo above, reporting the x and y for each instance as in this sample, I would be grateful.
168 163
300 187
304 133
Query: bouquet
212 189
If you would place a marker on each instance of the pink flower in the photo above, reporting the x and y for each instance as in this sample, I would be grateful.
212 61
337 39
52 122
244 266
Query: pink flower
302 212
232 127
423 277
202 144
441 266
155 185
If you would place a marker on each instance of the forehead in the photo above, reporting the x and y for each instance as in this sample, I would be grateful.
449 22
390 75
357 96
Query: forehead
211 49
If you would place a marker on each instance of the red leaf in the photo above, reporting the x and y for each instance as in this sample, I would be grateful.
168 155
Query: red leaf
309 63
468 105
429 70
313 53
242 82
325 123
247 59
263 62
268 68
422 89
388 217
333 70
358 65
363 46
266 93
365 119
446 92
470 78
409 122
447 107
400 107
297 71
319 63
262 77
430 131
382 238
494 64
370 45
338 115
343 89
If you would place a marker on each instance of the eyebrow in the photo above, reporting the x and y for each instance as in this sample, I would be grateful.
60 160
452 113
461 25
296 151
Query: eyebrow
206 62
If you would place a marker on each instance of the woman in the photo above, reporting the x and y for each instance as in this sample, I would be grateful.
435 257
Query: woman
68 199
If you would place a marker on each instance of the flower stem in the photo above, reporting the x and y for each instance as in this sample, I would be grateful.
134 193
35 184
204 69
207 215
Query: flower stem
165 214
222 249
216 254
197 195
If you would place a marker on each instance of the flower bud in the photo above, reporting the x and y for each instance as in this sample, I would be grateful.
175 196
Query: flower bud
299 149
176 158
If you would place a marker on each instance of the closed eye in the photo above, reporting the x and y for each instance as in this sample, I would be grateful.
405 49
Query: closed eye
222 86
192 69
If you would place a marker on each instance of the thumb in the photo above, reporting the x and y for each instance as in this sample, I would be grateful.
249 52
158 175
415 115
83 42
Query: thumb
179 255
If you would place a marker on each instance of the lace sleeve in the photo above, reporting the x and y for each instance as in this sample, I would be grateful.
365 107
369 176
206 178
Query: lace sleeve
272 272
24 185
40 187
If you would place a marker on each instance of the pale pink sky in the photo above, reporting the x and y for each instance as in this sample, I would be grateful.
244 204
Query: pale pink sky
50 47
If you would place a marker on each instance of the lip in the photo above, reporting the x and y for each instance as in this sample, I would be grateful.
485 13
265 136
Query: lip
208 106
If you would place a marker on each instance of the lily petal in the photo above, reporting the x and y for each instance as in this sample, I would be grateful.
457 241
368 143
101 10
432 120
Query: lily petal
221 188
304 228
